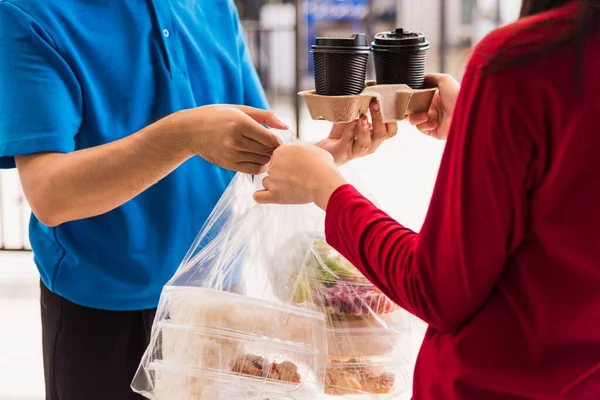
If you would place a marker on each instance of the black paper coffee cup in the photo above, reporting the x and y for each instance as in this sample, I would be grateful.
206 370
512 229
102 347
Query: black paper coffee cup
340 65
400 58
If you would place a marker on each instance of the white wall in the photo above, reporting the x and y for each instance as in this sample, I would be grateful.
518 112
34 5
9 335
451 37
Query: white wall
14 211
484 16
282 45
424 16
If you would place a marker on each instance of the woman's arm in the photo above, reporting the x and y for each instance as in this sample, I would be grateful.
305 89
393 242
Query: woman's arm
475 221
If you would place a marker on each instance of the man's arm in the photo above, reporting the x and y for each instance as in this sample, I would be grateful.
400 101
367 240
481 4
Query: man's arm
85 183
64 187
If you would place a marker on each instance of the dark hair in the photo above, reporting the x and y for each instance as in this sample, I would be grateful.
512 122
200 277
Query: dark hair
569 32
532 7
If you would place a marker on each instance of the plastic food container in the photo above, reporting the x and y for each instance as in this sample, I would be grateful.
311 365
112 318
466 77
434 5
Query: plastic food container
366 377
398 320
346 300
199 307
331 284
172 383
206 349
369 342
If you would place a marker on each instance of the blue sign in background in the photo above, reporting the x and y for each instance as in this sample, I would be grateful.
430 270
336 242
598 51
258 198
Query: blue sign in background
315 11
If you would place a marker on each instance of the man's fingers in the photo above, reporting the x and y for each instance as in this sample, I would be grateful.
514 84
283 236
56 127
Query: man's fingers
260 134
418 118
247 157
251 168
242 143
254 129
263 117
264 197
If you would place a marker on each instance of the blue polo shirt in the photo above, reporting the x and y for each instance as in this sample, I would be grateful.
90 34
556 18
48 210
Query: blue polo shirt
76 74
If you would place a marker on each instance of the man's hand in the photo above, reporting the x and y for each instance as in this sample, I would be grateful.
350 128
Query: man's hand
436 122
231 137
348 141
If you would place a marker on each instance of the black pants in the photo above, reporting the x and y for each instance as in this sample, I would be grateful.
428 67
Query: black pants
91 354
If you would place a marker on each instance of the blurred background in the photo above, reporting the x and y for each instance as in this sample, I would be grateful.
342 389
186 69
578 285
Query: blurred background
279 33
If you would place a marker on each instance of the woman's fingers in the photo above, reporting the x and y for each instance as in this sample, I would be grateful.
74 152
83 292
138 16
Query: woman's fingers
252 146
264 197
362 138
349 133
392 129
380 129
418 118
266 182
435 79
428 126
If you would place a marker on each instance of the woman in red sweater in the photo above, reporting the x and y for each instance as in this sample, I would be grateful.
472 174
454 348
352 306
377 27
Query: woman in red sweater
506 269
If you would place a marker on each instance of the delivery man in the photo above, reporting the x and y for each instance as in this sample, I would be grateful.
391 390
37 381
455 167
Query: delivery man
107 109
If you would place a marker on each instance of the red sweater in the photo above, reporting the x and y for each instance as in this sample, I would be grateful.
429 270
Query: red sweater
506 269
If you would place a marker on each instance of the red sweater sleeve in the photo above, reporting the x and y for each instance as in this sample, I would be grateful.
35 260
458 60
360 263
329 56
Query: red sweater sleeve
475 220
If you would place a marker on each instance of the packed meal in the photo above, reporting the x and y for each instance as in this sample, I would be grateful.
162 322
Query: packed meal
256 366
335 286
356 377
230 312
366 343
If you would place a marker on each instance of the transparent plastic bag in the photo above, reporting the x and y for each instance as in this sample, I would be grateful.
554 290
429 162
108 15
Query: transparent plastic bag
262 308
221 331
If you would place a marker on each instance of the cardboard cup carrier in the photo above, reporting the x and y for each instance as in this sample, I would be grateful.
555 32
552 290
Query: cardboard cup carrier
342 95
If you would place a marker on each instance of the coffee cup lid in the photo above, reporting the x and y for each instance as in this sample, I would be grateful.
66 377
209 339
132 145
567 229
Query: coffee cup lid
401 37
357 41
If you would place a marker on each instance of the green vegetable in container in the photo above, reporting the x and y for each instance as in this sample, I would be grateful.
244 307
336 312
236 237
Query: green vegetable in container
328 266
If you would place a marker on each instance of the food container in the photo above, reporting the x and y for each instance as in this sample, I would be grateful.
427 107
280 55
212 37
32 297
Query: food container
172 383
347 300
217 345
334 286
207 349
369 342
199 307
366 377
398 320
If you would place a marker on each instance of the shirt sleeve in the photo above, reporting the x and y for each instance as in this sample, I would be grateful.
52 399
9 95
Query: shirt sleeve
40 98
254 93
475 221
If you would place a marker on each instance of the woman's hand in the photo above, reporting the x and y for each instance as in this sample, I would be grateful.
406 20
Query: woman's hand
231 137
436 122
300 174
348 141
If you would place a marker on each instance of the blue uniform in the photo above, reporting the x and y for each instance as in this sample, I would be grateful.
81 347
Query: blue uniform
76 74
